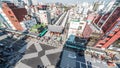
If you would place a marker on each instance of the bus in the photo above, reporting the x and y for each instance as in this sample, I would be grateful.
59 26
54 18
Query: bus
43 32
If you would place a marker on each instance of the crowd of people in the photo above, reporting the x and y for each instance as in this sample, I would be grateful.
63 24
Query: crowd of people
108 57
52 41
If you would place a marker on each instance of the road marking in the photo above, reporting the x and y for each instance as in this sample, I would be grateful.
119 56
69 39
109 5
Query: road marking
29 44
29 56
45 60
38 47
52 51
21 65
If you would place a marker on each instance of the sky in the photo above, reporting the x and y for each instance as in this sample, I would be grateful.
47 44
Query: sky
69 1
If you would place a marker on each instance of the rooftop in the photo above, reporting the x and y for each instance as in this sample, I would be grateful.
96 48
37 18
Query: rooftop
72 59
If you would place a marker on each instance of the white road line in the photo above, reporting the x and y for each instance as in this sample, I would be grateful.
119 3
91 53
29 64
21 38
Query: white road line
31 55
45 60
21 65
52 51
29 44
38 47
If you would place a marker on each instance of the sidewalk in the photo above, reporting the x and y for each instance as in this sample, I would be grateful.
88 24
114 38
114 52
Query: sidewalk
51 41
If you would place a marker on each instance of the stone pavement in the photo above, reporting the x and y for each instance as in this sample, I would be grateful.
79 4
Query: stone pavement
45 60
38 54
22 65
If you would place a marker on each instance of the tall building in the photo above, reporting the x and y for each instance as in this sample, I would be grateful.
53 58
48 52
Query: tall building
96 5
45 17
110 28
111 5
107 19
4 20
111 36
34 2
13 15
31 2
91 17
28 2
79 28
16 2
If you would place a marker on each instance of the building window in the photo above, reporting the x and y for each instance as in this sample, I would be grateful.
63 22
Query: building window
81 23
9 12
12 16
80 27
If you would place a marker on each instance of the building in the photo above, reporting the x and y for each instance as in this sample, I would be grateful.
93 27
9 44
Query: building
59 26
91 17
16 18
4 20
76 42
107 19
109 24
45 17
79 28
111 5
16 2
28 2
96 6
42 7
31 2
111 36
34 2
96 18
28 22
14 14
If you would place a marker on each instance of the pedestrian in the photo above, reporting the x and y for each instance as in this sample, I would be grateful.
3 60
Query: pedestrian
91 55
102 57
106 53
38 66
